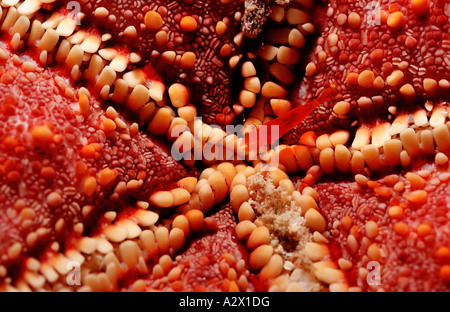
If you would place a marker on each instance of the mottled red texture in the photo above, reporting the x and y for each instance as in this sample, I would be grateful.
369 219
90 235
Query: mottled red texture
48 173
210 77
30 171
410 257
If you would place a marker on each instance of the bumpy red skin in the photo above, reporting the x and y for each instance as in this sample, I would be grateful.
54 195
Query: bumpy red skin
210 77
372 47
26 105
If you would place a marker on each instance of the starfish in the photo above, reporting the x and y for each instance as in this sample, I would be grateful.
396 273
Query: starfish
95 98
